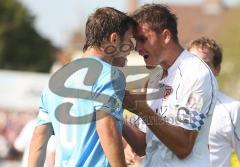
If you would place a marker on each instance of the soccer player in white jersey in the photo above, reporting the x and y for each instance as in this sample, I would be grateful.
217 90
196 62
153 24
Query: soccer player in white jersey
178 120
224 133
82 104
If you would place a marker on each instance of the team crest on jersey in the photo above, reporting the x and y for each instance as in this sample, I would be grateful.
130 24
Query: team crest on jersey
167 92
195 101
116 105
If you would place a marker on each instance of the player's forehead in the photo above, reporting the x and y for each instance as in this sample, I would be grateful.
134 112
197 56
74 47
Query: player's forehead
141 31
204 53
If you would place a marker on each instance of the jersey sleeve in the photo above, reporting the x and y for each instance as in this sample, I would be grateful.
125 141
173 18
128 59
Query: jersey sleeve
140 124
136 121
43 116
109 92
51 147
196 101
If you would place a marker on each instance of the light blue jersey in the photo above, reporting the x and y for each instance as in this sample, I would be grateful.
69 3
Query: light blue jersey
71 108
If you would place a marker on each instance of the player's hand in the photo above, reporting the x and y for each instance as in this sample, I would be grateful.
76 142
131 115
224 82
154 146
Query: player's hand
129 155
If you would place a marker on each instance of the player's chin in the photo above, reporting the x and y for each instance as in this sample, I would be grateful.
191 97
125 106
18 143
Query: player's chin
149 65
120 62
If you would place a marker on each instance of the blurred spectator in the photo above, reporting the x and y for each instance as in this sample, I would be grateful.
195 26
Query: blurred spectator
76 55
224 134
3 141
22 144
60 60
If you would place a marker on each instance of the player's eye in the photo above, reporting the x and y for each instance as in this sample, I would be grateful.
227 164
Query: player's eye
141 39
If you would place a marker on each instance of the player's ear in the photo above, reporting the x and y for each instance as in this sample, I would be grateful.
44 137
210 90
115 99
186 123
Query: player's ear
113 37
217 70
166 36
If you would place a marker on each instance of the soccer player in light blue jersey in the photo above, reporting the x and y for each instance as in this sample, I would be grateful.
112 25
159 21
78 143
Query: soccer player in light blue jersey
82 105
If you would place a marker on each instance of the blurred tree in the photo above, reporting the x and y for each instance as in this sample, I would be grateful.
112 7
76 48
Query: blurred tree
21 47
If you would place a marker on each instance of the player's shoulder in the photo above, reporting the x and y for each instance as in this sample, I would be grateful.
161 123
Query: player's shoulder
113 73
194 64
111 76
228 101
46 91
194 67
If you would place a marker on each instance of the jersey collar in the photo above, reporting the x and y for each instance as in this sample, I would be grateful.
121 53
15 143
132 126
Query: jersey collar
178 61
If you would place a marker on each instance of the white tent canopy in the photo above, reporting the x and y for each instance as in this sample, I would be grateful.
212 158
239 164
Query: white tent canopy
20 91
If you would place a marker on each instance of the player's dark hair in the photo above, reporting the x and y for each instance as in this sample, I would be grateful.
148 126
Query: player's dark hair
158 17
102 23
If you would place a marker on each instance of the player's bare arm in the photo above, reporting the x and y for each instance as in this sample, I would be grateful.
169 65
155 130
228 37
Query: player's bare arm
135 138
110 139
177 139
38 147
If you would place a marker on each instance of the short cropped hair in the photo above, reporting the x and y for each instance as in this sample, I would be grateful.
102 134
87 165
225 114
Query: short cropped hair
158 17
102 23
205 42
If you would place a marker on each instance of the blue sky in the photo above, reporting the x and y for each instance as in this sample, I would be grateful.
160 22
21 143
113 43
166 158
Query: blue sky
58 19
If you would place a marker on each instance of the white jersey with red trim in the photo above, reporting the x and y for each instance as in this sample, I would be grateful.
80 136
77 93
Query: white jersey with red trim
186 98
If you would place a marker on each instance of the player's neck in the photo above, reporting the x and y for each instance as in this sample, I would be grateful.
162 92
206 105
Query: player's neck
171 55
98 53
